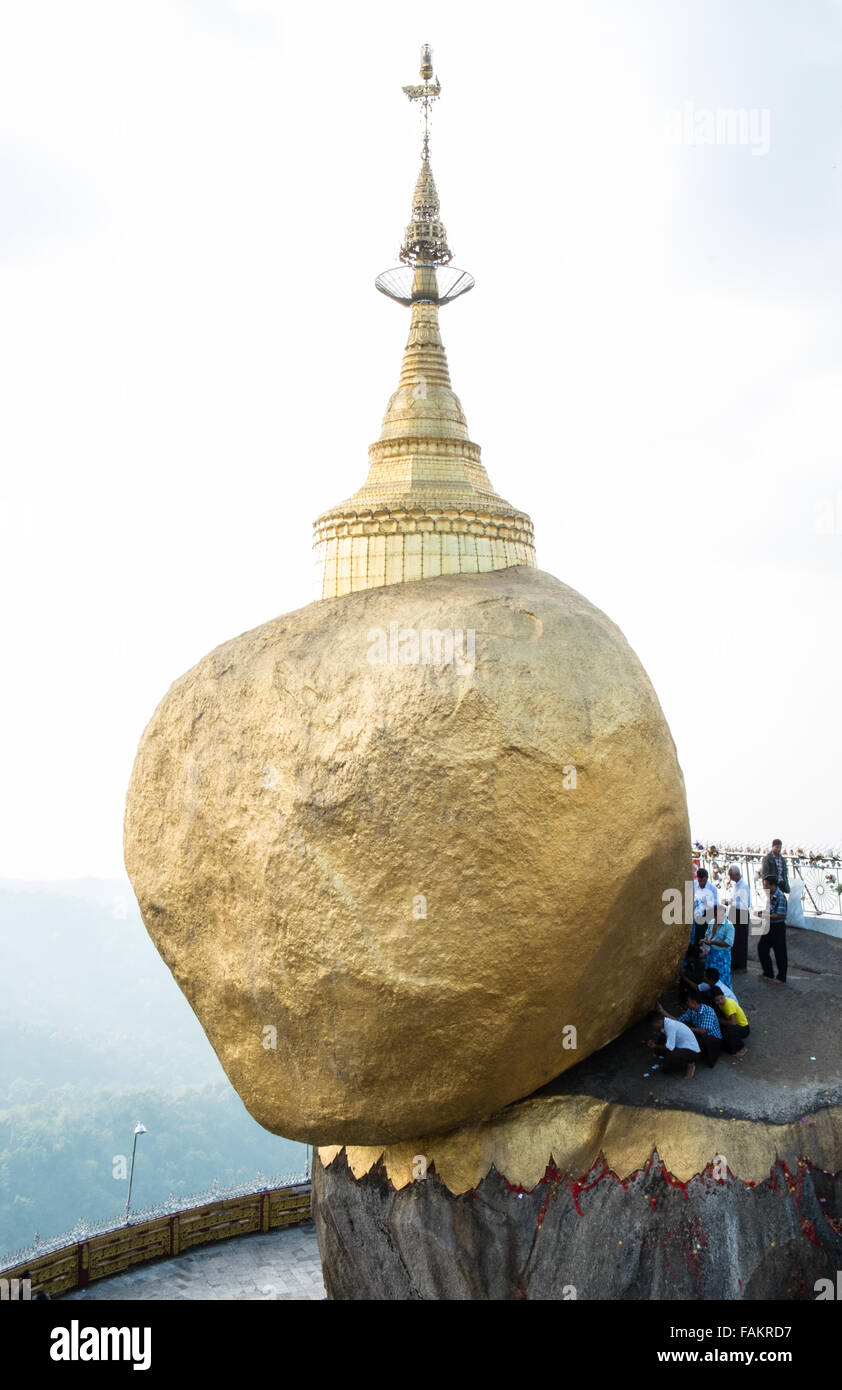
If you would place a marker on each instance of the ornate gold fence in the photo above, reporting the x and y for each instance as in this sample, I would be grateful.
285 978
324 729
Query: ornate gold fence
112 1252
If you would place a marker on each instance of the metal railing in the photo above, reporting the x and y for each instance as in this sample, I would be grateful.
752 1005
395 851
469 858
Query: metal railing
819 870
98 1250
174 1204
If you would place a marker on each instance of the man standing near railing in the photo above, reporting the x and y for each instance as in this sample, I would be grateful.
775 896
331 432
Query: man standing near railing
738 912
704 906
774 938
773 863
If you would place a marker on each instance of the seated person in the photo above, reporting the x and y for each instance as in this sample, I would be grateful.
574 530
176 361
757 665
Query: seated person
712 978
689 972
735 1027
702 1020
676 1045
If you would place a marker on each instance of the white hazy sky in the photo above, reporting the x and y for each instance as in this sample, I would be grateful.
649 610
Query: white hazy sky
196 197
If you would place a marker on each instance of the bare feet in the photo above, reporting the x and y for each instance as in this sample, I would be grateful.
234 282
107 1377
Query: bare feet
690 1072
742 1052
761 976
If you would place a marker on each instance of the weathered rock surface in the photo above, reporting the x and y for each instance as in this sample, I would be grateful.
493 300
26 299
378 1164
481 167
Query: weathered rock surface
390 891
598 1237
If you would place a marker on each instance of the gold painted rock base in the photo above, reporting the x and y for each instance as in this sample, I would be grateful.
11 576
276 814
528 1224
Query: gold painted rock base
573 1133
575 1198
405 851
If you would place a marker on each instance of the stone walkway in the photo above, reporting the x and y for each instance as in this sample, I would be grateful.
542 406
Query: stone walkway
794 1060
281 1264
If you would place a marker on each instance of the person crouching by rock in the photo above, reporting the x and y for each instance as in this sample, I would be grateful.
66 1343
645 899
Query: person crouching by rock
712 979
689 972
676 1044
701 1019
734 1024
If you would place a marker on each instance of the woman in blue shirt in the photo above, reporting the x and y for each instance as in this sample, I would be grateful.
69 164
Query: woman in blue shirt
719 939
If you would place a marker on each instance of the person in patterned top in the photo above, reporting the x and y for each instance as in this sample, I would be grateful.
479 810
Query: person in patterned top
717 945
704 1023
775 938
774 865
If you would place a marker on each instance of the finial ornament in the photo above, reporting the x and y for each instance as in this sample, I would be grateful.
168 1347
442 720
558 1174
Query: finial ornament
426 276
427 94
427 507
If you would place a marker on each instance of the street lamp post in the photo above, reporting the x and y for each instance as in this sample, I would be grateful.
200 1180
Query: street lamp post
138 1129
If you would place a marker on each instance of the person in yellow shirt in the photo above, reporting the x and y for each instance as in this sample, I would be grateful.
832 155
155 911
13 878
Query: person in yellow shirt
734 1023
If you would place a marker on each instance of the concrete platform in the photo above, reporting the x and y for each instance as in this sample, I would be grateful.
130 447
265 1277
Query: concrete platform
794 1061
277 1265
831 926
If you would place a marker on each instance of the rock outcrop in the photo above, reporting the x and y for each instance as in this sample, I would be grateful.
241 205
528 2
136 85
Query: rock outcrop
647 1236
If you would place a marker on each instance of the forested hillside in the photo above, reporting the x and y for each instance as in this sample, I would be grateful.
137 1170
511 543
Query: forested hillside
94 1036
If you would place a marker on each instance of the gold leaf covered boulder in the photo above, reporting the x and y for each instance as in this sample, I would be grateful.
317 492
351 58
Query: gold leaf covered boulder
390 886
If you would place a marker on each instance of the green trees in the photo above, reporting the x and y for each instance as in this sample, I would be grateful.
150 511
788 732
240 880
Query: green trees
94 1036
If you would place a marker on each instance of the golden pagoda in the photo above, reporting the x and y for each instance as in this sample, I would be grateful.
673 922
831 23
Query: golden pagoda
387 860
427 506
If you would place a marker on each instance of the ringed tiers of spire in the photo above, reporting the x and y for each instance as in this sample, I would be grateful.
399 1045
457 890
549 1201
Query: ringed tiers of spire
425 240
427 506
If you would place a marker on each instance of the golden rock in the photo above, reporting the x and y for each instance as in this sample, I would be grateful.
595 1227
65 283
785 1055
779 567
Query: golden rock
405 851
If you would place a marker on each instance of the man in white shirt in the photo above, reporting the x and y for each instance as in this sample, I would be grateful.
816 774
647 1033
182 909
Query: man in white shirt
738 913
677 1045
705 985
704 906
712 982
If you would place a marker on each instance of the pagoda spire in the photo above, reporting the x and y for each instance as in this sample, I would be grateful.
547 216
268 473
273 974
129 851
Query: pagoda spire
427 506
